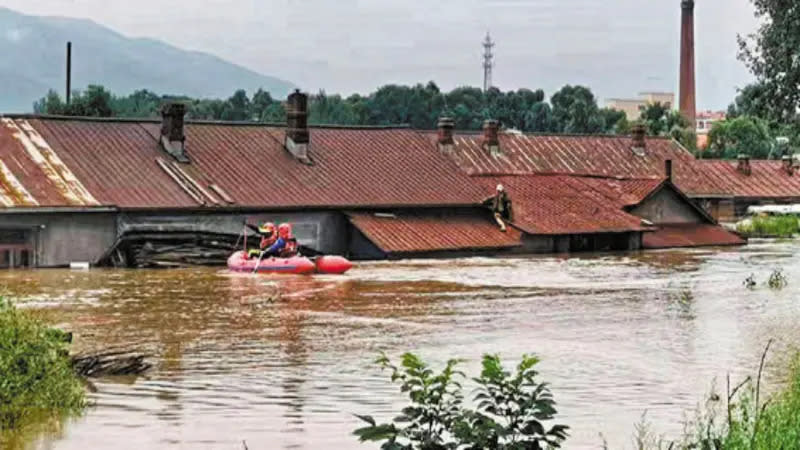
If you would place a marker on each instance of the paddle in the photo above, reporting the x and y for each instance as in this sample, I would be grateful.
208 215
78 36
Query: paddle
258 263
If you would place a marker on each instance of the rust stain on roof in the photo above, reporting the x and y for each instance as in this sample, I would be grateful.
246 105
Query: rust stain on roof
51 165
12 192
767 179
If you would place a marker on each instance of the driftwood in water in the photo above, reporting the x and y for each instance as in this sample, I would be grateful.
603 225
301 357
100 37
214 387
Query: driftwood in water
119 362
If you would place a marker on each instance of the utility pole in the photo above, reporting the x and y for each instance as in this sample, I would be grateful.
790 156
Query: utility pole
69 71
488 62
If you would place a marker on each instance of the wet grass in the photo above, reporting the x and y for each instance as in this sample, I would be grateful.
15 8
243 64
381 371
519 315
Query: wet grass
770 226
37 381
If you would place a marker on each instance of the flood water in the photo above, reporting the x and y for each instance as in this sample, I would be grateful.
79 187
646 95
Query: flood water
618 335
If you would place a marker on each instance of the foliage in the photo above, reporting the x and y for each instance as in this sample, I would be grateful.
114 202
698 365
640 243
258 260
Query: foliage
772 53
660 120
770 226
511 409
777 279
742 135
573 109
37 376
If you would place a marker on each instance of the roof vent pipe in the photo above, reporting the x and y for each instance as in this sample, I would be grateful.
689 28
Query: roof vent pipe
639 144
491 138
743 164
297 135
668 169
173 138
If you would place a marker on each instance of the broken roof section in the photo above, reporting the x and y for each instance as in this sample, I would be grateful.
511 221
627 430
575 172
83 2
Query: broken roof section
84 162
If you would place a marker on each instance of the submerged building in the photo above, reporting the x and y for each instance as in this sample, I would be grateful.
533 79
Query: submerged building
114 191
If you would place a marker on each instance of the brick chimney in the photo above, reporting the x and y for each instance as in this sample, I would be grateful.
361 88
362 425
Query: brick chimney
638 142
173 139
668 169
688 105
445 134
743 164
491 137
297 136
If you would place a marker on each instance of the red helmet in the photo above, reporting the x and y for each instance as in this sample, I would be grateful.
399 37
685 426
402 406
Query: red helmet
285 230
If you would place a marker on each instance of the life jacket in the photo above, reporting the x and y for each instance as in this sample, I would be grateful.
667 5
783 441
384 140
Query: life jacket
290 249
267 241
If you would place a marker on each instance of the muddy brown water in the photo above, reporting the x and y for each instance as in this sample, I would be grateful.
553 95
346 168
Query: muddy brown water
618 336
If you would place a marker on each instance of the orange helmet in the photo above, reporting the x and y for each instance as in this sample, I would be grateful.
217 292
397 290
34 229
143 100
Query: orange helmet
267 228
285 230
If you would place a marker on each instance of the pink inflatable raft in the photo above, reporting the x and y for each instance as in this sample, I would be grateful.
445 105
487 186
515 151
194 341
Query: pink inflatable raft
294 265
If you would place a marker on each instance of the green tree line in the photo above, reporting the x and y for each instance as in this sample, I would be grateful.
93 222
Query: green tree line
571 110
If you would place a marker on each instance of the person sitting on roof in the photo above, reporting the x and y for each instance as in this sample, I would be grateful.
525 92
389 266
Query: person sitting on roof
500 204
278 248
268 237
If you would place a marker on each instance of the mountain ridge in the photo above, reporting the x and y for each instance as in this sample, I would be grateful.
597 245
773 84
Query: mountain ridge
34 62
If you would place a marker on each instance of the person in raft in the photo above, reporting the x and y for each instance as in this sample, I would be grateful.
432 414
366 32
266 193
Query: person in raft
500 204
286 245
268 236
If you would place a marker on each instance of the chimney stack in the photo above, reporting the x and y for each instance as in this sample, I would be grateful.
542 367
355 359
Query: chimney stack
688 105
639 144
788 164
173 138
297 135
743 164
491 136
445 134
668 169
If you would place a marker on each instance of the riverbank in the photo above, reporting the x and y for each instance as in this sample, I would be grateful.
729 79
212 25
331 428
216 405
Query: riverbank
769 227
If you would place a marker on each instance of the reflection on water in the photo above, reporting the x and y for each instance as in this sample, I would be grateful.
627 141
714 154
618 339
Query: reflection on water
619 334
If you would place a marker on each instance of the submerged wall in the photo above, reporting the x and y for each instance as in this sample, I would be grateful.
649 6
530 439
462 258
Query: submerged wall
57 239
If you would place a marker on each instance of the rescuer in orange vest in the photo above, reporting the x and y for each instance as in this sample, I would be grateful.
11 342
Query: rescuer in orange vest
268 237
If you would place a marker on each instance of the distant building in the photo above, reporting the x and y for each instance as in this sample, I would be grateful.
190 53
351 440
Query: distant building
632 106
705 121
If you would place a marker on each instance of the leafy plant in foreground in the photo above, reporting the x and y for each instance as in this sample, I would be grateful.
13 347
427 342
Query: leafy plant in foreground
510 414
36 377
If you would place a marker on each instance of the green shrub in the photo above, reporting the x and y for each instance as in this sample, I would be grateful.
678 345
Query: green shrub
511 409
780 226
36 376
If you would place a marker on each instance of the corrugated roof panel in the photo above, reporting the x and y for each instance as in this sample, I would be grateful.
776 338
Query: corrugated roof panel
417 233
767 179
690 235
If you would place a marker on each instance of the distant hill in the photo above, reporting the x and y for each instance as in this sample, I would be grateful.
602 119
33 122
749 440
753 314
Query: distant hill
33 60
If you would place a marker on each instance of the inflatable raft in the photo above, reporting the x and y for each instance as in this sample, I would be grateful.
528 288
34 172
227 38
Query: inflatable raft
294 265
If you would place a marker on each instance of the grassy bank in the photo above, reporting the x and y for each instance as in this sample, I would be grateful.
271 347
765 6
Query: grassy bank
770 226
37 381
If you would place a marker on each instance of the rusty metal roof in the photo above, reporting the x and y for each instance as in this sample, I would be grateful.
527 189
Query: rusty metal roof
767 179
80 162
602 156
690 235
413 233
560 204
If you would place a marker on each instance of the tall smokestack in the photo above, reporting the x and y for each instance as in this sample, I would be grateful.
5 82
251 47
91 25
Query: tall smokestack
688 100
69 71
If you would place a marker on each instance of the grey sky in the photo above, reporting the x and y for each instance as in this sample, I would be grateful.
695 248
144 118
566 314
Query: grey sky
617 47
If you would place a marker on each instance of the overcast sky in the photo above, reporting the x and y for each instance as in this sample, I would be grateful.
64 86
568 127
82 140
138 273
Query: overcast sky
616 47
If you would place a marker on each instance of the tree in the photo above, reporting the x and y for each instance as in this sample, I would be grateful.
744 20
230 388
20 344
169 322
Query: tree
742 135
772 54
575 111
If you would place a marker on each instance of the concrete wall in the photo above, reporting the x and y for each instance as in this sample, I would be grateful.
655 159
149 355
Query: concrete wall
61 238
667 207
